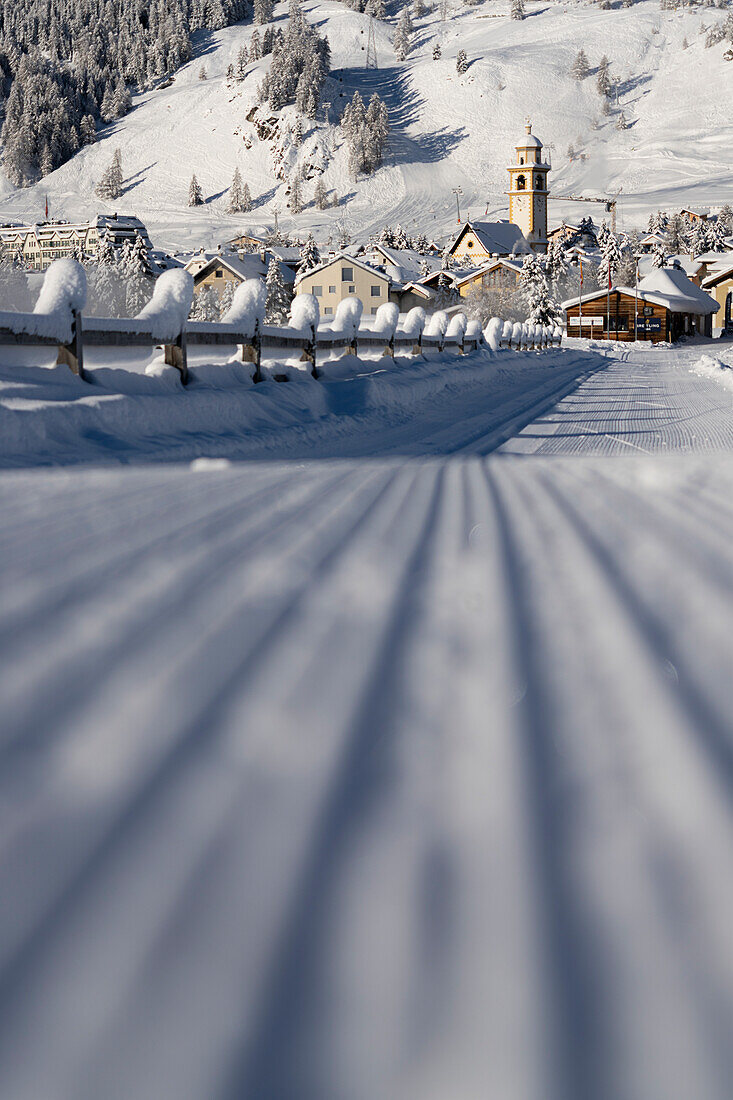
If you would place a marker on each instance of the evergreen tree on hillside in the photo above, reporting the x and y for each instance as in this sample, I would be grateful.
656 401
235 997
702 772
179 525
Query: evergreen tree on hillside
603 79
242 59
263 11
437 52
581 67
296 194
205 306
255 46
240 201
320 195
461 62
403 35
543 310
195 195
517 9
110 185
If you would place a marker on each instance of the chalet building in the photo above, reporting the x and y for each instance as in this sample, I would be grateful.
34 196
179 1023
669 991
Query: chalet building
477 242
219 268
528 191
667 305
693 217
37 246
652 241
403 265
719 285
584 234
497 274
343 276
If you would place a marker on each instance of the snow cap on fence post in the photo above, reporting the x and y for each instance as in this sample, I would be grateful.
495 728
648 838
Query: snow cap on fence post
414 322
493 333
168 309
437 323
539 333
305 314
64 293
348 316
474 332
517 334
247 310
457 326
385 321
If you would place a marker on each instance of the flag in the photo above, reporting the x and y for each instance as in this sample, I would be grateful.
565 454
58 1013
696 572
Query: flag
581 270
46 207
609 277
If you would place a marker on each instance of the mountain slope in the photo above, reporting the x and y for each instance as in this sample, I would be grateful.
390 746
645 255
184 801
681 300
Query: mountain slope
447 130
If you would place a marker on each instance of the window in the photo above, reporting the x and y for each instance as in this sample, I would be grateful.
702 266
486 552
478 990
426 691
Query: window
318 291
347 274
328 309
376 291
374 310
521 183
332 290
352 290
218 274
521 160
469 244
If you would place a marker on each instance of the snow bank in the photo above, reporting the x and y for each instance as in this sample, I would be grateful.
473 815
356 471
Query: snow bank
457 326
248 307
493 333
305 314
168 309
714 369
64 291
348 316
413 324
385 321
437 323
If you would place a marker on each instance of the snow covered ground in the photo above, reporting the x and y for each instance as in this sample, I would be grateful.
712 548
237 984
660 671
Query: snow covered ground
448 130
339 775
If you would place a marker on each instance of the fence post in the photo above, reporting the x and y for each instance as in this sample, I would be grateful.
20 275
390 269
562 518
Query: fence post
389 350
72 355
252 353
309 352
175 355
417 348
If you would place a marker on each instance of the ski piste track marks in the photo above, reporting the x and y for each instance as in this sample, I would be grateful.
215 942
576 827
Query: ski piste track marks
345 779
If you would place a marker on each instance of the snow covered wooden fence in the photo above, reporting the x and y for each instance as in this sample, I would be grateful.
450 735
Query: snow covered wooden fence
57 322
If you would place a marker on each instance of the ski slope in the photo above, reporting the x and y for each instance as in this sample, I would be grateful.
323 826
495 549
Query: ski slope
376 771
447 130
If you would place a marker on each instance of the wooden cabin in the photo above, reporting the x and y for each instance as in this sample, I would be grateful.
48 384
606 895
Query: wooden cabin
719 284
666 306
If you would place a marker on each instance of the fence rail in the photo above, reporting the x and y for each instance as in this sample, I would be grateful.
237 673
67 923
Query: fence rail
66 329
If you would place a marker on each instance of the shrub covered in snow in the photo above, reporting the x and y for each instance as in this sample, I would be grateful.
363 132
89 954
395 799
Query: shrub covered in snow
170 305
63 293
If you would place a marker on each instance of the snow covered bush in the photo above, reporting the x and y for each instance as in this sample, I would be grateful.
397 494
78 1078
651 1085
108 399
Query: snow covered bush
64 292
169 307
248 307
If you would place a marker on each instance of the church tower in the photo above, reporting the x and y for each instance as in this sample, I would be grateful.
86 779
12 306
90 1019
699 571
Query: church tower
528 191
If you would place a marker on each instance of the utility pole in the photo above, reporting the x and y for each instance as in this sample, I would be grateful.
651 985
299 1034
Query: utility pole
371 57
457 191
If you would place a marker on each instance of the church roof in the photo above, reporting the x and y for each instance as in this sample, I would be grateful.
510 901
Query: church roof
503 238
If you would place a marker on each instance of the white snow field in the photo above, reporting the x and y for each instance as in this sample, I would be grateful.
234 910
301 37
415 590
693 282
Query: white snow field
447 130
384 750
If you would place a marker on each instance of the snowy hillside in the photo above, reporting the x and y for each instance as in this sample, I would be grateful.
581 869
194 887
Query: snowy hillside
448 130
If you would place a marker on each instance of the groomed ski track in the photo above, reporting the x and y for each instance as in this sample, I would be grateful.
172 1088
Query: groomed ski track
391 775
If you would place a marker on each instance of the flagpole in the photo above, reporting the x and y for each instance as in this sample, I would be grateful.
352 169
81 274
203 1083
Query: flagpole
636 300
608 302
580 299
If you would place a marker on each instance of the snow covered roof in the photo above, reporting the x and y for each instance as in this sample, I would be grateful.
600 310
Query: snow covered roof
719 276
529 141
503 238
342 256
677 294
404 265
487 267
